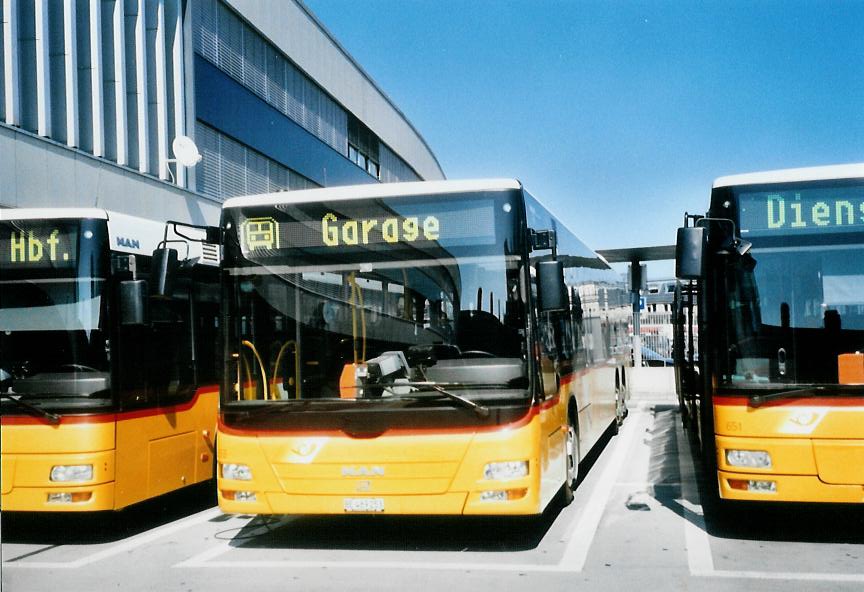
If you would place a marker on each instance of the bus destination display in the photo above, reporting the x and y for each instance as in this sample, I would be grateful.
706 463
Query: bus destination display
331 229
803 211
37 246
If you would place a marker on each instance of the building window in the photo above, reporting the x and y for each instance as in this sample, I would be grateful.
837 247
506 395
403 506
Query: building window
230 168
230 44
363 147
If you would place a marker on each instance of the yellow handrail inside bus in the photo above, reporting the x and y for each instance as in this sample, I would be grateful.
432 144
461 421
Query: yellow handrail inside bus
242 364
275 380
251 346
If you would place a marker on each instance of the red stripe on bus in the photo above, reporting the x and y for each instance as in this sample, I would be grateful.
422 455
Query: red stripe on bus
111 417
533 411
854 401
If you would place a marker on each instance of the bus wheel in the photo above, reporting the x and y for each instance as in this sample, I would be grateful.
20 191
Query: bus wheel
619 404
572 445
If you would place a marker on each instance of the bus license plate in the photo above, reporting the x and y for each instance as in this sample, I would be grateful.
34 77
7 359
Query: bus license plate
363 504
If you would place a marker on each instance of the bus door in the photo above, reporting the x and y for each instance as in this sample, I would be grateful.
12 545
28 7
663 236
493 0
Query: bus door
687 378
161 427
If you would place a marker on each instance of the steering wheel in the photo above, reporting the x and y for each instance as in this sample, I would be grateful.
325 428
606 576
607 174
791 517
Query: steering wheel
477 353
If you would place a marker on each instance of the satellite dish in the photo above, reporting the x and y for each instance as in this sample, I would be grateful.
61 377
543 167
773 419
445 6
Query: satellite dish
186 151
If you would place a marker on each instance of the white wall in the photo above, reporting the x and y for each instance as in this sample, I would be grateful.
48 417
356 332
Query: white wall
36 172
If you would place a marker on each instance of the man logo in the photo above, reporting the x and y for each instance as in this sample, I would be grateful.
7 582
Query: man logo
363 471
129 243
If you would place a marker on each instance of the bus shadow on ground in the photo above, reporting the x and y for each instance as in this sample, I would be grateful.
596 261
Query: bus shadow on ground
775 522
761 521
66 528
803 523
394 533
406 533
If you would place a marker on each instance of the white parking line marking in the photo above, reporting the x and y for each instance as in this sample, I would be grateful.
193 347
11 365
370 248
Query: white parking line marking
696 539
125 547
572 560
699 558
204 558
582 534
792 576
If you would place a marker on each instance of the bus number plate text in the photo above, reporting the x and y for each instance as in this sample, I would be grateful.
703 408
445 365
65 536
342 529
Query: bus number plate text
363 504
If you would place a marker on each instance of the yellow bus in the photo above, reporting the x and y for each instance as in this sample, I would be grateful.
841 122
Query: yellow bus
775 293
108 384
412 348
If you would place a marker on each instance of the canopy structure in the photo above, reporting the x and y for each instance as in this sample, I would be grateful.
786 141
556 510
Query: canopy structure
639 254
636 256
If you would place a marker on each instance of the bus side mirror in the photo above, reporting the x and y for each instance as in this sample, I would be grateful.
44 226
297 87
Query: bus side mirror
213 234
133 303
163 270
551 290
690 252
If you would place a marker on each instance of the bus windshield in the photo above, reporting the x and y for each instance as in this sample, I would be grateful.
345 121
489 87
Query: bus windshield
795 302
376 300
53 337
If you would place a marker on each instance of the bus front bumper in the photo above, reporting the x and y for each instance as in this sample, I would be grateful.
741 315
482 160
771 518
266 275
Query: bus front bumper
800 470
28 486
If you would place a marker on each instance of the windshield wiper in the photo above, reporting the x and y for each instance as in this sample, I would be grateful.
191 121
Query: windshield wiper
480 410
757 400
420 386
51 417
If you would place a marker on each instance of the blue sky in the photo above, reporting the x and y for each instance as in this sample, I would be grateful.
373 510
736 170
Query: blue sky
618 115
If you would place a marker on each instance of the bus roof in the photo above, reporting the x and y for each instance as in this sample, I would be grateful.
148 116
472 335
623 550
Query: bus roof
52 213
821 173
373 190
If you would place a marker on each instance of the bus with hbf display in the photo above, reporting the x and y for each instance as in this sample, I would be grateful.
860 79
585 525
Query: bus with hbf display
107 376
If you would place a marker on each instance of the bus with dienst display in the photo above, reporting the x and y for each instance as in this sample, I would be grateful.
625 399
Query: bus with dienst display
412 348
774 273
108 377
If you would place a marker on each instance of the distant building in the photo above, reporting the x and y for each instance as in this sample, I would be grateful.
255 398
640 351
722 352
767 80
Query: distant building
656 322
660 295
93 93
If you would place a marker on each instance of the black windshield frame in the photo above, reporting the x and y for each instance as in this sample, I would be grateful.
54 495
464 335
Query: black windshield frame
442 264
75 374
779 316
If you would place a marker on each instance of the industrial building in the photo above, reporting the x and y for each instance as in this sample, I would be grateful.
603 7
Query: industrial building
94 93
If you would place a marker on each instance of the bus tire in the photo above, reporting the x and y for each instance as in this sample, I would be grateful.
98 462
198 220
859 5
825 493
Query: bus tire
619 406
572 456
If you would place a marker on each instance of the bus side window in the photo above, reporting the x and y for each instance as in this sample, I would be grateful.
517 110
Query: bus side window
155 360
170 357
207 333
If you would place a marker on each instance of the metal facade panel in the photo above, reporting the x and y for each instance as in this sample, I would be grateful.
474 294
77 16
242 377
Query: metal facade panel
273 134
121 127
235 48
302 37
70 49
43 69
81 180
96 90
11 87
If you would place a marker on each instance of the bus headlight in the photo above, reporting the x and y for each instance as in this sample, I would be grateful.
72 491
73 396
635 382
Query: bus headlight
501 471
752 459
72 473
236 472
